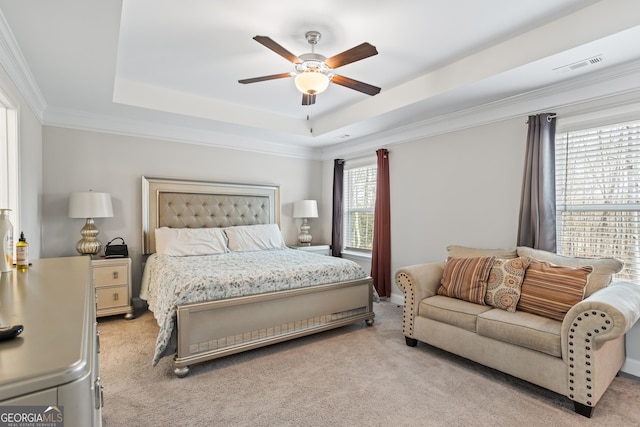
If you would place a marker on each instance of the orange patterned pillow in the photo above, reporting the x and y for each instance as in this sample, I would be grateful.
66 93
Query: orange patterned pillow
551 290
504 283
466 278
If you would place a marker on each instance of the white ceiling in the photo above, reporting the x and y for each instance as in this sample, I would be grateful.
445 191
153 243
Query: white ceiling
169 68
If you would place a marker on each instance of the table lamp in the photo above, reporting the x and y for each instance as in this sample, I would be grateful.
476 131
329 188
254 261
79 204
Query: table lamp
305 209
89 205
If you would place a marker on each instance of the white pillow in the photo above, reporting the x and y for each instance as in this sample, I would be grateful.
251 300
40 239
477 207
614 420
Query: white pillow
190 241
254 237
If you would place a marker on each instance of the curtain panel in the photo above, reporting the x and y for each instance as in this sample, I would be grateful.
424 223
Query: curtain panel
338 206
381 254
537 222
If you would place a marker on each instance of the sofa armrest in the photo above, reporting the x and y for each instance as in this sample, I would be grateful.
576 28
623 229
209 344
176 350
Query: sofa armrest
417 282
612 311
587 338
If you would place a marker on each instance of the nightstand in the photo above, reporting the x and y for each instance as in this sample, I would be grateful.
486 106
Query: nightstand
112 281
317 249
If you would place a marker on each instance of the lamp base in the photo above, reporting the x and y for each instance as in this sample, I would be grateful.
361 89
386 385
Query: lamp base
89 244
305 237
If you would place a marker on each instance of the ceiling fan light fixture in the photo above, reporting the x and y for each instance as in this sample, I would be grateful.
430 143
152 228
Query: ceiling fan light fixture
312 81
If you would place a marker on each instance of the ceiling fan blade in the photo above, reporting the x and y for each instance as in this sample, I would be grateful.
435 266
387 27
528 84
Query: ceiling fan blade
263 78
356 85
308 99
354 54
269 43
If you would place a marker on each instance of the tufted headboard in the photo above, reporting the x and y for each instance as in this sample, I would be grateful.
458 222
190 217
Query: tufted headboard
179 203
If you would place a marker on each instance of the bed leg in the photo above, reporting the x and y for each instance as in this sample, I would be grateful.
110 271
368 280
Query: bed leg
181 372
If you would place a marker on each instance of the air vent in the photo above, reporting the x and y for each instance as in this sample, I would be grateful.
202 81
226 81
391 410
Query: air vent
594 60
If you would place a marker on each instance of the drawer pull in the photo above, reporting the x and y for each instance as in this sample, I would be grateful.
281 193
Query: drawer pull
115 274
99 393
115 296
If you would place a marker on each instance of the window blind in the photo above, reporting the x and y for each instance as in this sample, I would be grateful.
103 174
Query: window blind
598 194
359 206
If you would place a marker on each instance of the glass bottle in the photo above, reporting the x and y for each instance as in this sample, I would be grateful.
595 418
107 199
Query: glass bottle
22 253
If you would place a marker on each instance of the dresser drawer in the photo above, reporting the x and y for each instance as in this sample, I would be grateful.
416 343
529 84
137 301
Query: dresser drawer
110 275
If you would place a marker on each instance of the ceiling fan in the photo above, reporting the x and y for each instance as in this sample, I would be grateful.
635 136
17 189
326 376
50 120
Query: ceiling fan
313 72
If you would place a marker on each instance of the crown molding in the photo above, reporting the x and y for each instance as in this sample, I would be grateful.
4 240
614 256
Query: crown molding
18 70
566 96
91 122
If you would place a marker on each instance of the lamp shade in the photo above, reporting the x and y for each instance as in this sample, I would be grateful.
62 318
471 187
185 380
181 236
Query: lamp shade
90 204
312 82
305 209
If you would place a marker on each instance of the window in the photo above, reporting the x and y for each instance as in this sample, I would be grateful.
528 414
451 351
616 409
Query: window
598 194
359 205
9 161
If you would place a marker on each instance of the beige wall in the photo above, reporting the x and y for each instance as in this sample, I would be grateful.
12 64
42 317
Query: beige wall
80 161
458 188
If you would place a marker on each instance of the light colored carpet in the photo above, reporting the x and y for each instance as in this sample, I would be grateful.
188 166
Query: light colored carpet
352 376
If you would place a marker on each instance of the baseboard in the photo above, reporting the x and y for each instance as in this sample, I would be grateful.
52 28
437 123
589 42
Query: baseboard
631 367
396 299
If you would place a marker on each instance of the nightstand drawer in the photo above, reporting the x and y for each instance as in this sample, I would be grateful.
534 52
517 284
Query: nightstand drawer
110 275
117 296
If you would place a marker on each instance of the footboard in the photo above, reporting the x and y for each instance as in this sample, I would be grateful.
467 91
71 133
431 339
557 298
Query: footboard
215 329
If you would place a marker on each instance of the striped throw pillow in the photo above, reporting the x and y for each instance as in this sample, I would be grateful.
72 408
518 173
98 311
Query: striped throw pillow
551 290
466 278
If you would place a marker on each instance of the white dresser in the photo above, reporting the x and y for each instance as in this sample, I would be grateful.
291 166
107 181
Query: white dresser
54 362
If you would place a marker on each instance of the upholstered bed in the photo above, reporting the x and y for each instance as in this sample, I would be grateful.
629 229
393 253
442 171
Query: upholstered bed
206 311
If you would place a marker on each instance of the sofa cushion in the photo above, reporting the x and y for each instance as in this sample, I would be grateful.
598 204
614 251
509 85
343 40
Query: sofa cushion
466 278
522 329
551 290
504 283
457 251
452 311
603 268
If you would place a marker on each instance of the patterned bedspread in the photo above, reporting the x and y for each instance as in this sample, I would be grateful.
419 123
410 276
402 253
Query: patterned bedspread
171 281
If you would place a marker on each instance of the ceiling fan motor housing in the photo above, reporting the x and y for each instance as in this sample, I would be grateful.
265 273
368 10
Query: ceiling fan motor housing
313 61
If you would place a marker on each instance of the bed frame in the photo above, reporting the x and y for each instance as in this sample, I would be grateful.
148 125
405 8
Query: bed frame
214 329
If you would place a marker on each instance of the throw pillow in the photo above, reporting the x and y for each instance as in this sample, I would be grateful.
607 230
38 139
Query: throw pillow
600 277
466 278
551 290
504 283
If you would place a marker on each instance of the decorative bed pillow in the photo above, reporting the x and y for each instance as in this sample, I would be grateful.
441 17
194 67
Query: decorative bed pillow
551 290
600 277
190 241
504 283
466 278
254 237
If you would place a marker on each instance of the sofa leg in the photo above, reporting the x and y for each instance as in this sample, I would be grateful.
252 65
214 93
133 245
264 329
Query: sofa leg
411 342
583 409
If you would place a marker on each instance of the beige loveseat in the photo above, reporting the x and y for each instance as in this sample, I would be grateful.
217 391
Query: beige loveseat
577 355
